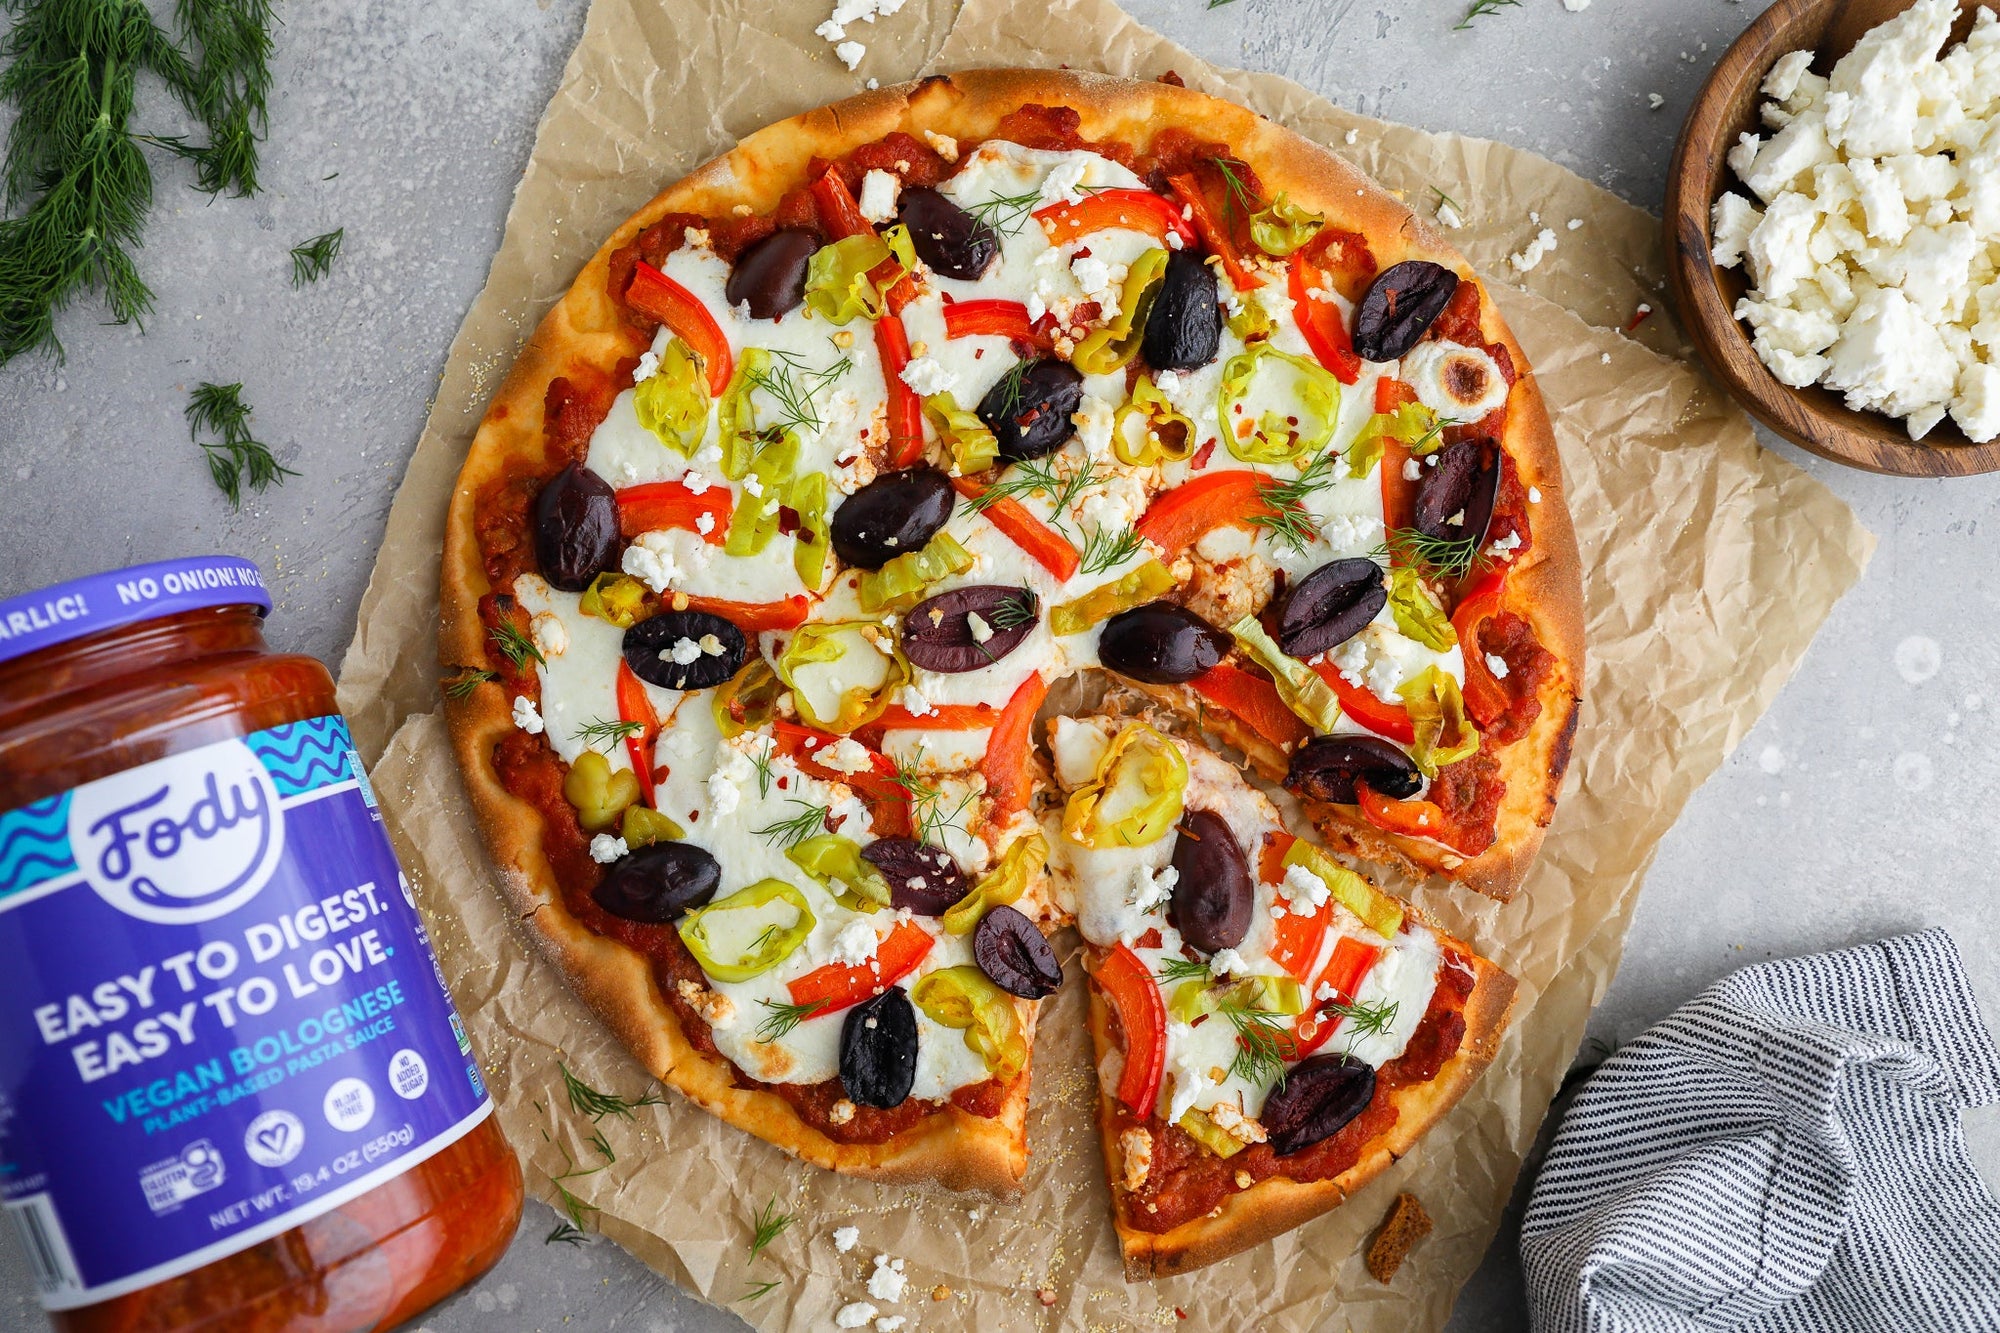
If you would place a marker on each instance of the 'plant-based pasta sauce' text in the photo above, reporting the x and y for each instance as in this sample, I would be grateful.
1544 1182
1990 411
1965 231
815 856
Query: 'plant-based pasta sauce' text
234 1093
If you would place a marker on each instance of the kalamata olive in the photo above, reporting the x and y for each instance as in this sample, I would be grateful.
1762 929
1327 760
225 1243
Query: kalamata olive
1326 768
684 650
892 515
1319 1095
1213 891
1399 306
1455 498
1160 643
1029 410
1013 954
658 884
946 237
771 275
1329 606
878 1049
939 634
1184 329
576 528
922 878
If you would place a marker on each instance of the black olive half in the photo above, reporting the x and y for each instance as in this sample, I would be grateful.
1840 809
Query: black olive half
771 275
892 515
1317 1098
1184 329
878 1050
1455 498
1326 768
1160 643
1400 306
1029 410
576 528
946 237
658 884
922 878
653 649
1213 891
939 634
1329 606
1014 955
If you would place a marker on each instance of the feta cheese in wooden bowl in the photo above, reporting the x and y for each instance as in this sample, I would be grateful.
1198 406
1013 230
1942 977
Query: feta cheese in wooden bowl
1833 230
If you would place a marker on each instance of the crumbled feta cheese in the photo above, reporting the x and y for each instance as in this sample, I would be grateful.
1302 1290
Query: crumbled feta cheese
1062 184
890 1323
1226 963
1152 890
649 366
1732 219
549 635
1497 665
850 53
704 523
846 755
887 1282
976 624
606 848
683 652
1135 1152
855 944
1412 469
926 376
716 1009
650 560
1449 215
943 145
1303 890
1352 137
912 700
752 486
526 716
855 1314
1534 495
1526 259
845 1239
878 195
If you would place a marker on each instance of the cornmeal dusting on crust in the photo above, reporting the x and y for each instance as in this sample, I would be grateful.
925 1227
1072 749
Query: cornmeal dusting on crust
1135 1146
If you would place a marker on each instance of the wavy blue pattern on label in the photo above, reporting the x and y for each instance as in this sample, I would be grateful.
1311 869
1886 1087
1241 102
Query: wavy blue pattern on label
304 756
34 844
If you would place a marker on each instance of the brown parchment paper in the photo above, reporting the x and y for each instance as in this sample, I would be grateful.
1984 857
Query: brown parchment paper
1709 564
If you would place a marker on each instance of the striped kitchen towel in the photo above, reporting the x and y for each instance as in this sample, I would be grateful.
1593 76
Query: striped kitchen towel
1782 1153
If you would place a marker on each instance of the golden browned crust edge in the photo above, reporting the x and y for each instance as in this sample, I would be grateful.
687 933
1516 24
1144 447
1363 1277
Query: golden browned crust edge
584 330
1275 1205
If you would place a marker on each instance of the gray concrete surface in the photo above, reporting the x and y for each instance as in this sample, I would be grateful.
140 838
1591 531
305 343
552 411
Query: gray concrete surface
1863 805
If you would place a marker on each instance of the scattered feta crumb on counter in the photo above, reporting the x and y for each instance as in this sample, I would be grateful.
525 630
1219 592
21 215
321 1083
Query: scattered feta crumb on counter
1536 250
887 1282
1654 101
845 1239
850 53
855 1314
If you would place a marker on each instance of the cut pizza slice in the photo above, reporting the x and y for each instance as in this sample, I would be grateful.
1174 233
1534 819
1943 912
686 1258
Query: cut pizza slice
1272 1031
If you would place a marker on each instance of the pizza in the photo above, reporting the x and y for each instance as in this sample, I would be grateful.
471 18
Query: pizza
846 473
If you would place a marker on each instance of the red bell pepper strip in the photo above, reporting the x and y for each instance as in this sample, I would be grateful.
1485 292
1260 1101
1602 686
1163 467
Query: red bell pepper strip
1391 393
1358 702
1213 234
1295 939
654 294
1399 493
1181 517
670 504
1411 819
751 617
635 706
888 802
1320 321
906 409
997 319
1047 547
838 212
1005 766
942 717
1350 963
1486 699
840 986
1128 210
1253 701
1135 998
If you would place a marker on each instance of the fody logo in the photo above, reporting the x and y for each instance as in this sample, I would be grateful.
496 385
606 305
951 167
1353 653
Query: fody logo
183 839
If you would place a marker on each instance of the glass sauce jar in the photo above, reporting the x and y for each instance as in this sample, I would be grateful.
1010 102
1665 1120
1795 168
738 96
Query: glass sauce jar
234 1094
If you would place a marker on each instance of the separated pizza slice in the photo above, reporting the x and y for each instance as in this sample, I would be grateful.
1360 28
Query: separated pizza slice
1272 1031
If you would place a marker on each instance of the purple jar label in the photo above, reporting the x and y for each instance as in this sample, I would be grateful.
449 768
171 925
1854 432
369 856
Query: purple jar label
219 1011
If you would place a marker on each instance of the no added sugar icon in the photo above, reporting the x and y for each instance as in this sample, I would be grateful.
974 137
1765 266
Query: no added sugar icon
274 1138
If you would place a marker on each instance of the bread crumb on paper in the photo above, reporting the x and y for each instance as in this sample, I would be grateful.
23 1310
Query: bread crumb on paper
1406 1224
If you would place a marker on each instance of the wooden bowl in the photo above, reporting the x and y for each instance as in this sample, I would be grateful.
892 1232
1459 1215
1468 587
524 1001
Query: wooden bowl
1816 418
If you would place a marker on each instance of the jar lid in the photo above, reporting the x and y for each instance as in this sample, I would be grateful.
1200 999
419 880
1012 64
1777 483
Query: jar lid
37 620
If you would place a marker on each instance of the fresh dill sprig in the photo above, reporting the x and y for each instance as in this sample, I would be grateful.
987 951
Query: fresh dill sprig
313 260
790 832
234 456
1040 476
770 1225
784 1017
565 1234
928 817
586 1100
609 733
761 761
1440 557
794 386
1422 444
1020 608
1182 969
1447 200
515 646
227 89
1364 1020
1106 550
1261 1044
1480 9
1239 193
1007 213
1290 523
758 1290
465 682
1009 390
573 1207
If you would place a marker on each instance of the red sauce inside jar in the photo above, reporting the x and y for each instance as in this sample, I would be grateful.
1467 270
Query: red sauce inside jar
140 690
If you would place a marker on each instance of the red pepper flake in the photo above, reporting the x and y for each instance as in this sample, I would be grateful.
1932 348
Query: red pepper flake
1645 312
1203 454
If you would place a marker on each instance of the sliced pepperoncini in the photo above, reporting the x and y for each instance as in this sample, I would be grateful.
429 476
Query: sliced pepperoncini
744 935
1302 688
842 672
642 826
967 442
964 998
1106 349
748 700
842 279
837 863
673 401
1273 437
618 598
1209 1134
1002 885
900 582
1261 994
754 521
1136 587
1437 713
1412 425
813 540
1283 226
1148 429
599 794
1134 798
1418 615
1377 910
735 418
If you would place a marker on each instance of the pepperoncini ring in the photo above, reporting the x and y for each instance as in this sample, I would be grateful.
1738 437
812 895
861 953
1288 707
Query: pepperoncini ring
1437 715
1418 615
1283 226
1377 910
599 793
1144 583
1134 798
618 598
672 402
901 581
967 442
1002 885
1104 350
730 951
834 699
964 998
748 700
1148 429
1271 438
837 863
1302 688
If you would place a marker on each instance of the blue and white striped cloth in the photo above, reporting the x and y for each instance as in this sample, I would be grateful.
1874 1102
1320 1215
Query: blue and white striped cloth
1782 1153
